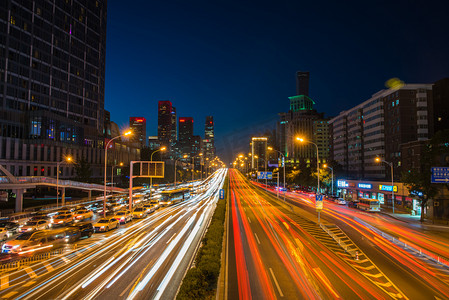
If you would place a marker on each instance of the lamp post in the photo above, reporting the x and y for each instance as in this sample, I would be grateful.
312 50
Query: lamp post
185 156
326 166
68 159
105 166
283 162
112 175
151 159
257 167
378 159
317 161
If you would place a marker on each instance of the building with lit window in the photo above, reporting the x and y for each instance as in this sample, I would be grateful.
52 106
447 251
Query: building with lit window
259 152
166 124
138 125
52 65
185 134
209 139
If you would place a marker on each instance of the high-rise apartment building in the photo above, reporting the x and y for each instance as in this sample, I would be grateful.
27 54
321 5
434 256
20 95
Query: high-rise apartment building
209 139
166 120
185 134
379 127
138 125
52 65
259 152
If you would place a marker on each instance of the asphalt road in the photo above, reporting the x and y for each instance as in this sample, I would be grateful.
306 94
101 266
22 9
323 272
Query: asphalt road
142 260
278 251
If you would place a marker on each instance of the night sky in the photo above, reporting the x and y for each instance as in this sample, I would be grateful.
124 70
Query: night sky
236 60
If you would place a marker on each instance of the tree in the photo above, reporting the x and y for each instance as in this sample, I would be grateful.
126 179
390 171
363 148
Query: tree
83 171
436 153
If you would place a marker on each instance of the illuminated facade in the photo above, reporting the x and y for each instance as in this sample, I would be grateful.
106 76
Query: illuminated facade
259 152
185 134
166 123
138 125
52 65
209 139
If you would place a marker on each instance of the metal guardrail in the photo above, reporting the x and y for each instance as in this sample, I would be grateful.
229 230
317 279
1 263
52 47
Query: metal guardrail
14 265
341 243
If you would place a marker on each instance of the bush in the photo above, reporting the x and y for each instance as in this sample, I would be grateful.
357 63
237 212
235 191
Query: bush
200 282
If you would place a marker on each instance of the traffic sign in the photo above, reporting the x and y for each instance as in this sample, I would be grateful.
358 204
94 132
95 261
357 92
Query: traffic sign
319 202
440 175
221 194
264 175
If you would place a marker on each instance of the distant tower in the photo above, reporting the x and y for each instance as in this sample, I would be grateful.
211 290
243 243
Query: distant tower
185 134
166 130
302 83
139 127
209 144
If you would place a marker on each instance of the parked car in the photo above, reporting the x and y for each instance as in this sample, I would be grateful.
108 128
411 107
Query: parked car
140 212
62 220
86 229
11 227
123 216
82 214
105 224
35 225
353 204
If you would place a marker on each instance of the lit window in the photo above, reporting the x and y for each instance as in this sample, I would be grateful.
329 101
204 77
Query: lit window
397 102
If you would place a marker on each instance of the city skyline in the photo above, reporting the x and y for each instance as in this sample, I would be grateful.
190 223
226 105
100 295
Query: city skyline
250 54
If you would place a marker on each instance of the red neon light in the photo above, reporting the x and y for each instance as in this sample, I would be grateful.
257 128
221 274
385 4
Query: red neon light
182 120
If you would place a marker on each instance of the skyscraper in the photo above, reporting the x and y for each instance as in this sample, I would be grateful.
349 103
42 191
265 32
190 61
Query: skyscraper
138 125
302 83
208 143
166 119
185 134
52 64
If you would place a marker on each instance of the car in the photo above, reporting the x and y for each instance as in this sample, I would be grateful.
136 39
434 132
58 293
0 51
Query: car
140 212
150 208
341 201
123 216
105 224
116 207
353 203
35 225
3 234
86 229
82 214
11 227
62 220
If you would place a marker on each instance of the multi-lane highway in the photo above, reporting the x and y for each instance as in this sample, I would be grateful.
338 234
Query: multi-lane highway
146 259
278 250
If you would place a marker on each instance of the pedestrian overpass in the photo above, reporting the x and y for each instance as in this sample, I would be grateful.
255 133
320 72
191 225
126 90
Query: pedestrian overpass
19 184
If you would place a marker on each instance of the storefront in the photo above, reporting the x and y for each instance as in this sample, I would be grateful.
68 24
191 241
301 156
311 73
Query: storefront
382 191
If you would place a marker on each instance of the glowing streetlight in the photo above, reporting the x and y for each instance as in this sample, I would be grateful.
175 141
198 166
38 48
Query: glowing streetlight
379 160
67 159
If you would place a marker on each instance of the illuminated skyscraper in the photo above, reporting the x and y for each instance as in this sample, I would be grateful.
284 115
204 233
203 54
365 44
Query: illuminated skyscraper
208 143
166 120
139 127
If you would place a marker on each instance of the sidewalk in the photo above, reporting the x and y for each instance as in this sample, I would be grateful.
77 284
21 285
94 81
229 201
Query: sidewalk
408 218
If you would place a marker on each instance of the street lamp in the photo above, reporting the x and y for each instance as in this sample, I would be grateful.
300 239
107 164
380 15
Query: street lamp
151 159
129 132
193 164
317 160
185 156
326 166
257 167
378 160
283 161
68 159
112 175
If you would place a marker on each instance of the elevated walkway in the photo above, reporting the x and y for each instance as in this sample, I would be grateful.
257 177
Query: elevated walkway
19 184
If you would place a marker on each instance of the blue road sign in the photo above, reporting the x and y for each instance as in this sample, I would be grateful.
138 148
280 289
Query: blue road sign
265 175
440 175
319 202
221 193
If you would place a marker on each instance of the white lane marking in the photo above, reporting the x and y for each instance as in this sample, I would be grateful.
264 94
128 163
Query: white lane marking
249 220
171 238
257 238
276 282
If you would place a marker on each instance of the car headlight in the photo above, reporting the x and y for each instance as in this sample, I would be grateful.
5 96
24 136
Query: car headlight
102 227
16 246
29 229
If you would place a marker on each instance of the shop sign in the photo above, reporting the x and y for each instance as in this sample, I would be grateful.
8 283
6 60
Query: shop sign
388 188
342 184
365 186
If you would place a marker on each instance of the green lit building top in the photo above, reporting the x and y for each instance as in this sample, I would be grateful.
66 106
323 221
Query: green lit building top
301 102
